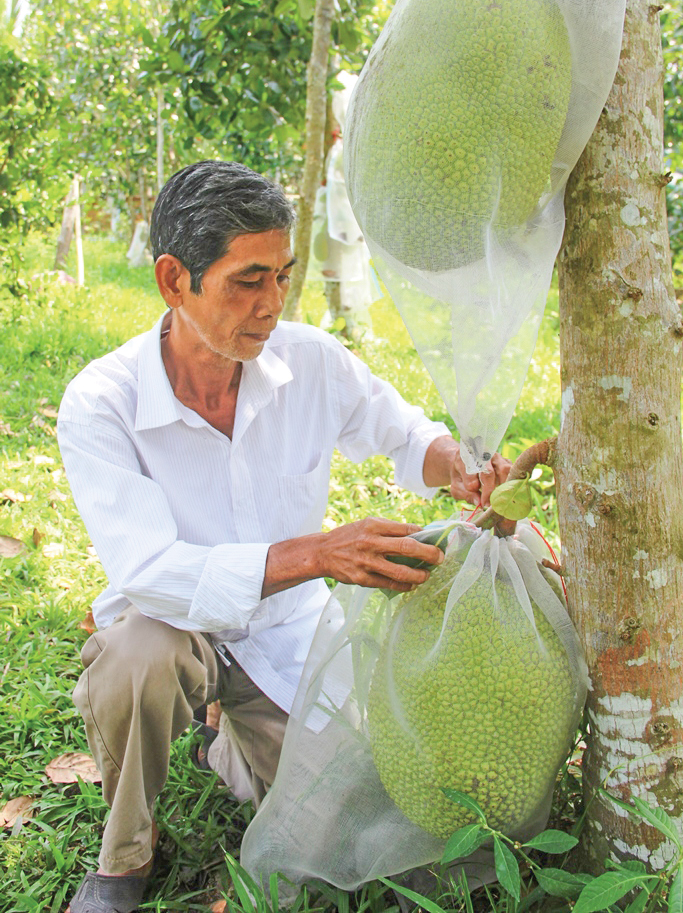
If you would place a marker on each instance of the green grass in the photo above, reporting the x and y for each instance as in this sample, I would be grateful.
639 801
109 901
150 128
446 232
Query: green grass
46 592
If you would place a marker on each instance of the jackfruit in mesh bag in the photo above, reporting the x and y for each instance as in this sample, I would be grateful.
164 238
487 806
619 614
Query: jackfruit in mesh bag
462 130
475 681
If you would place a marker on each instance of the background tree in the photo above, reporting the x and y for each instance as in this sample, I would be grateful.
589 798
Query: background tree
672 40
26 105
105 124
618 462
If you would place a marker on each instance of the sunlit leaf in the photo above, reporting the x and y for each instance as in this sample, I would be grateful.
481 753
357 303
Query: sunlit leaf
552 841
513 500
10 547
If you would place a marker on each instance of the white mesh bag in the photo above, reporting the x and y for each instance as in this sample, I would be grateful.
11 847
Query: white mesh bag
475 681
462 130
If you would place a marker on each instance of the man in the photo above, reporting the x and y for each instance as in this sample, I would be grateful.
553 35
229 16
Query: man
199 457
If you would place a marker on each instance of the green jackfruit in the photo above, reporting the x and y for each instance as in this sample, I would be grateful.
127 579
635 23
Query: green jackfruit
454 125
491 714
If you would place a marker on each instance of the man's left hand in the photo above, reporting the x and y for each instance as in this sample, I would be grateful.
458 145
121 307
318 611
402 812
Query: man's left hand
443 466
476 489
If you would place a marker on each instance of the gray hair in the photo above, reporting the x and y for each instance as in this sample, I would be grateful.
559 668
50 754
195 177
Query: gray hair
205 206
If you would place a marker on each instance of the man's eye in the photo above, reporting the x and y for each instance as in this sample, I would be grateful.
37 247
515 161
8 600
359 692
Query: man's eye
246 284
284 278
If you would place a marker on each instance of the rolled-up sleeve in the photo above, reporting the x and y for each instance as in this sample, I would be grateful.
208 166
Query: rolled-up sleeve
192 587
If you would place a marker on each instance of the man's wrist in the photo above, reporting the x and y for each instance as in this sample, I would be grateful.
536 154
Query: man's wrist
436 472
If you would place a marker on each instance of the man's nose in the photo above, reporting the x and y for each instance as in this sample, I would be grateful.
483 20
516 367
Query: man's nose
271 301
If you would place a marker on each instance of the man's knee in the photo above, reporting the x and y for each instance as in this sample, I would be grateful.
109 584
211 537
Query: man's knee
137 654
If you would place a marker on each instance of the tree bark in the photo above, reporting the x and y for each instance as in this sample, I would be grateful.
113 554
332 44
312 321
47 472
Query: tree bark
618 461
316 105
66 233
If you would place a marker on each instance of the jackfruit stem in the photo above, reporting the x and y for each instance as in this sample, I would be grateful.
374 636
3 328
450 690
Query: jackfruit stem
542 452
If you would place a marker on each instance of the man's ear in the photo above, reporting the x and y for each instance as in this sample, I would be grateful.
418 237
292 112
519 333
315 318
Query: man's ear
173 279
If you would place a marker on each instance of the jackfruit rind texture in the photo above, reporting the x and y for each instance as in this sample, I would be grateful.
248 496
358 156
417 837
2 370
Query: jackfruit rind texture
488 706
454 125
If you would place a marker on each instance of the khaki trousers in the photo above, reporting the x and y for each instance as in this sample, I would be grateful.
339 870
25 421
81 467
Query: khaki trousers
142 681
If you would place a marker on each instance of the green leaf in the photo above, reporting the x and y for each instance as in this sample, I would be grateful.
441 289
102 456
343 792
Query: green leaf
306 8
675 901
463 842
552 841
507 868
147 38
421 901
559 883
512 500
607 890
176 62
639 903
466 801
658 818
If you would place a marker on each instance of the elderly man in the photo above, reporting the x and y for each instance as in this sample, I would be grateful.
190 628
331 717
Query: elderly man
199 457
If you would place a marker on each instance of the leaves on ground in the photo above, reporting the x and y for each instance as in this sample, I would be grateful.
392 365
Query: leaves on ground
20 807
73 766
10 547
88 623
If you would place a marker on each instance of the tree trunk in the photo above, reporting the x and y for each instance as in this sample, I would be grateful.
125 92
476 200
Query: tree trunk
618 462
66 233
316 105
160 138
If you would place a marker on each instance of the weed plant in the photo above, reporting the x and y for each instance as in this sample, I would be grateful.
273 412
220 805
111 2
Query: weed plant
45 593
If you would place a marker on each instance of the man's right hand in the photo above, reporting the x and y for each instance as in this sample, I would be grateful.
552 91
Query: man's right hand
353 553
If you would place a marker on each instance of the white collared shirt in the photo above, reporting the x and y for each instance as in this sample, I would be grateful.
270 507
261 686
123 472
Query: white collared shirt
182 516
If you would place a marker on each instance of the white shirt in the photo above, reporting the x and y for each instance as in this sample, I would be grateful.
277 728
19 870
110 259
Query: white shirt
182 516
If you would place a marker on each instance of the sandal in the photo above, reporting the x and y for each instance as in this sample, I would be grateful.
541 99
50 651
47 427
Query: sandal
208 734
109 894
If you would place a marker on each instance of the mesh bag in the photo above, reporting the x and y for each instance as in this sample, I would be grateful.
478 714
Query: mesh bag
475 681
461 132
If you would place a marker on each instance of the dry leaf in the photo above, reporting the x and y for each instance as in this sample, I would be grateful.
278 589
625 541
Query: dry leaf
41 460
56 496
90 549
63 583
69 767
6 429
49 411
88 623
218 907
15 808
9 494
53 550
37 537
10 547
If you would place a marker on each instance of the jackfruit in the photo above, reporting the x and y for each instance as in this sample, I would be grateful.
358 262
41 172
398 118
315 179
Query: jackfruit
454 124
491 713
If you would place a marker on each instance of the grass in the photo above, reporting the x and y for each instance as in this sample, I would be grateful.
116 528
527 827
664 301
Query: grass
46 592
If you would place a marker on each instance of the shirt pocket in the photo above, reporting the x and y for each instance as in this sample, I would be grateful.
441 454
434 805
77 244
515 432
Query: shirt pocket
303 500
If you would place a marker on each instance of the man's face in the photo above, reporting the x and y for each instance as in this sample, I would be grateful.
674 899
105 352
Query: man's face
243 295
